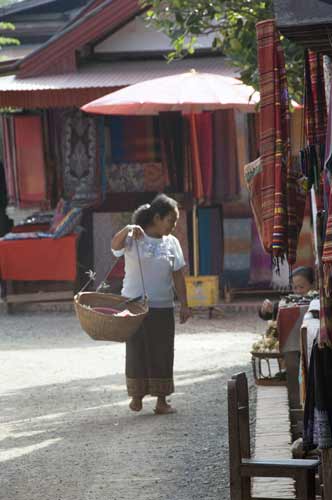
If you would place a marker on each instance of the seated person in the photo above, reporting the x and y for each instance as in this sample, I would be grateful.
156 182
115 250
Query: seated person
303 281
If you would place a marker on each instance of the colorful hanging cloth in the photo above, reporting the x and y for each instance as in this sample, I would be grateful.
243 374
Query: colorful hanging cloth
273 131
278 176
31 170
171 131
205 145
196 163
226 168
315 99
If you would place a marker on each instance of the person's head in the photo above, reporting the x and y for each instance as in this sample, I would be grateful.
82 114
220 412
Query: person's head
161 216
303 280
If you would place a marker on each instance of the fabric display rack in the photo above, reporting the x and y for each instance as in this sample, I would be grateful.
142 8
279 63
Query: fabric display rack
287 187
124 161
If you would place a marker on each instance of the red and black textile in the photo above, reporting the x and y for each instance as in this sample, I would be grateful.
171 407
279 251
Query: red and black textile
315 100
278 180
324 252
171 131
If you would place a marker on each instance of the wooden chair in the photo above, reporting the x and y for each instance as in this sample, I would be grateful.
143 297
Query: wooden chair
243 467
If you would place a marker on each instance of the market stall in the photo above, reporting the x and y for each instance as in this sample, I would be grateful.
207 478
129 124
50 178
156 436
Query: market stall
274 183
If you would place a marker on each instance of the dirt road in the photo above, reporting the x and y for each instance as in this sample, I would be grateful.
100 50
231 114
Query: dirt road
65 429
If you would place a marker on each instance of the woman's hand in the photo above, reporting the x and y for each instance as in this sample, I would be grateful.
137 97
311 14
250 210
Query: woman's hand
185 313
267 307
136 231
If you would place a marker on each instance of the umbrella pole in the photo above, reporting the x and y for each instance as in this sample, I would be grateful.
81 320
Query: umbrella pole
195 238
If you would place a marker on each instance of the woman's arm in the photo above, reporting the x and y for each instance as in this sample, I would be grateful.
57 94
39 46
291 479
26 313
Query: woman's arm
118 240
181 292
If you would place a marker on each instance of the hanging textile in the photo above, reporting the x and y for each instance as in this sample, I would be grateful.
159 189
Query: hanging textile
327 251
172 149
204 122
126 177
242 144
55 139
226 169
9 159
237 252
154 179
188 183
105 226
80 158
181 233
210 241
198 188
102 155
134 139
253 178
315 99
317 429
279 224
305 253
325 333
253 135
260 261
30 164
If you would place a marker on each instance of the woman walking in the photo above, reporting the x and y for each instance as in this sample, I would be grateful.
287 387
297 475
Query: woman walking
150 351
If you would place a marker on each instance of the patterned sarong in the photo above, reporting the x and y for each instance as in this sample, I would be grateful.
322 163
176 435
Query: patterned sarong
283 191
150 356
275 143
315 101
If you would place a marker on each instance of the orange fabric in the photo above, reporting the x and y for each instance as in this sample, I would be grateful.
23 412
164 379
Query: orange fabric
39 260
197 173
30 161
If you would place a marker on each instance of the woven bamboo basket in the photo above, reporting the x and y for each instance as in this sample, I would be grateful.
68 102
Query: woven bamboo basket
100 326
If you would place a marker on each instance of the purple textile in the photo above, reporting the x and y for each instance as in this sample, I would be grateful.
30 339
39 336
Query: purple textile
260 262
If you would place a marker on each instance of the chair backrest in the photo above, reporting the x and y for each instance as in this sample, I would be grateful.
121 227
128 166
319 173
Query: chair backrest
233 435
238 418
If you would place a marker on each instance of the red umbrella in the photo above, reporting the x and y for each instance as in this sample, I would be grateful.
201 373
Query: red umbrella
191 92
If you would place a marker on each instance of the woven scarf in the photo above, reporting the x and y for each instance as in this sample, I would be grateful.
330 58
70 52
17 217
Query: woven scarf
278 180
315 101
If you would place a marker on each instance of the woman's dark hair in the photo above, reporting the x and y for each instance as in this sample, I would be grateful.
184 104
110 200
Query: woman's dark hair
305 272
162 205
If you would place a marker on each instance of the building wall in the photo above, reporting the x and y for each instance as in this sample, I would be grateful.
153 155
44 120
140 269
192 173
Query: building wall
137 37
294 12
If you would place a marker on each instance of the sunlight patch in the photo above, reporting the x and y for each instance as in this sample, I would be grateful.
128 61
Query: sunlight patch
26 450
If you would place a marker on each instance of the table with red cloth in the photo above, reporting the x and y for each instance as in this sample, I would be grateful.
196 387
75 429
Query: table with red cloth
44 259
289 322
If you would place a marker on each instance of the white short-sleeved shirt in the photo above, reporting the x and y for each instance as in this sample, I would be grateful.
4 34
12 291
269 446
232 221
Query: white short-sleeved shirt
160 257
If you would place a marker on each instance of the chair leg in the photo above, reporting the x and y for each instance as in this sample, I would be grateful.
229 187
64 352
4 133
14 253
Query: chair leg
235 488
246 488
305 485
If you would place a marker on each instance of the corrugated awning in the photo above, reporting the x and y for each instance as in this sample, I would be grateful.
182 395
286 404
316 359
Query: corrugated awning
95 80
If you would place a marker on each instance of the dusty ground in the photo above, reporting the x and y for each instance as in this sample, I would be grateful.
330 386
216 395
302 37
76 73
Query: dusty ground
66 432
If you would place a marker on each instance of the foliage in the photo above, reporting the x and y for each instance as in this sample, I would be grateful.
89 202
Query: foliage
6 40
232 23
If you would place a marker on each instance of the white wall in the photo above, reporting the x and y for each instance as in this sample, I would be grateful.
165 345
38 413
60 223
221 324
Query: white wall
137 37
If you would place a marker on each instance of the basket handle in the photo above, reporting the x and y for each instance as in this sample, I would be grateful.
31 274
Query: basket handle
92 275
141 270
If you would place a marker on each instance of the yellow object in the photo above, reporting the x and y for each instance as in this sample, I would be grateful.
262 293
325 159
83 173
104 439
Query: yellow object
202 291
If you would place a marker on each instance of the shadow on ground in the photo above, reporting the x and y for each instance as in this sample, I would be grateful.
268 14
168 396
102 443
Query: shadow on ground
78 440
